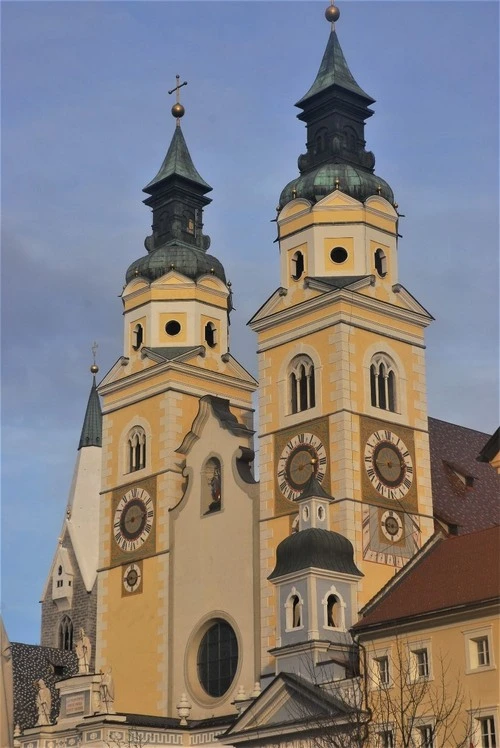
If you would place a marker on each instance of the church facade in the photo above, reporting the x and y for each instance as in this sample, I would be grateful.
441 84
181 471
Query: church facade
192 593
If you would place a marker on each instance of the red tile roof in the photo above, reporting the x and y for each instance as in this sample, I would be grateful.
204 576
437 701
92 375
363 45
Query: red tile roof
453 572
454 449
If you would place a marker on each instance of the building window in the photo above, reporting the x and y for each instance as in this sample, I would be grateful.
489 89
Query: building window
383 383
302 385
338 255
137 449
66 634
386 739
293 611
217 658
380 263
426 736
487 732
211 488
482 651
297 263
137 337
173 327
382 670
420 663
332 611
210 334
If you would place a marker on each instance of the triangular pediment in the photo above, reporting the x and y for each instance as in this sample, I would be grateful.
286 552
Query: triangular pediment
172 278
337 199
407 301
289 703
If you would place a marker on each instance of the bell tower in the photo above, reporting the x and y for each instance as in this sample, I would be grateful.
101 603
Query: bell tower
341 351
178 494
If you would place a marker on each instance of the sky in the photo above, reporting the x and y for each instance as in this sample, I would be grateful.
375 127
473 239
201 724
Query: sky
85 125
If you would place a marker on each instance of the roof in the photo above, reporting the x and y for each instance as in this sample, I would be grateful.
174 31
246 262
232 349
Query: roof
491 448
454 451
175 255
313 488
314 548
178 162
339 281
31 662
449 573
91 435
334 70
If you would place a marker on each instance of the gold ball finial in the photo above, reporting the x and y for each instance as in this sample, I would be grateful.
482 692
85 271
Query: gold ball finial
178 111
94 369
332 13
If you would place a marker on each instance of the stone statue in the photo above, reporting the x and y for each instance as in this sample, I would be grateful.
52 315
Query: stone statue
107 691
83 649
43 703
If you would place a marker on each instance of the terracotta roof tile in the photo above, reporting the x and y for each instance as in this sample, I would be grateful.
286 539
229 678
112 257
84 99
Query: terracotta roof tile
454 451
453 572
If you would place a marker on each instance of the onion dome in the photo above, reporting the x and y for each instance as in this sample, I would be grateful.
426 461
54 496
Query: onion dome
320 549
335 109
191 262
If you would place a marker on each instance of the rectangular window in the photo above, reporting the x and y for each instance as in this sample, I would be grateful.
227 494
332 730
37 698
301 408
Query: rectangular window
387 739
382 670
482 651
488 735
421 663
426 734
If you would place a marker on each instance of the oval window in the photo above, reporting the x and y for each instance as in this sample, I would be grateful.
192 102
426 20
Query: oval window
217 658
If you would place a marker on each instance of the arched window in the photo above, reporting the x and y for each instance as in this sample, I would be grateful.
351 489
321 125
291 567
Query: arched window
383 383
293 611
302 385
137 337
380 262
332 611
210 334
211 488
297 263
66 634
137 449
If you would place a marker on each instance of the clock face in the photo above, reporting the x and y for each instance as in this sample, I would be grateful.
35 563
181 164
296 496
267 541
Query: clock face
388 464
133 520
391 525
303 455
132 577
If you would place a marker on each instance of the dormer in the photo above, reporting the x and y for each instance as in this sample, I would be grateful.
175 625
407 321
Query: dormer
62 580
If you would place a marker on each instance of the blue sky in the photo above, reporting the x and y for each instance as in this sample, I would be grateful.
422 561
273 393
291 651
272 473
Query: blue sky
85 125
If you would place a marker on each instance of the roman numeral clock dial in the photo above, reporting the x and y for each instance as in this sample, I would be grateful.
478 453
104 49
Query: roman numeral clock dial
388 464
303 455
133 519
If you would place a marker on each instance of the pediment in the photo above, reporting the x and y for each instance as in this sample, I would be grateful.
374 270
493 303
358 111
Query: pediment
213 407
275 303
286 703
172 278
405 299
211 281
294 208
381 205
337 199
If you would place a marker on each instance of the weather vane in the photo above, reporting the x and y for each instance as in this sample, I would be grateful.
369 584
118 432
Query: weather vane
177 109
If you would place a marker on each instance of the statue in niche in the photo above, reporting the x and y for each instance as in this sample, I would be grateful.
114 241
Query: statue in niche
107 691
214 480
43 703
83 649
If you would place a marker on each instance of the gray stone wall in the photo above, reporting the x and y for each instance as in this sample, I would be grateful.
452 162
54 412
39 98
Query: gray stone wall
83 611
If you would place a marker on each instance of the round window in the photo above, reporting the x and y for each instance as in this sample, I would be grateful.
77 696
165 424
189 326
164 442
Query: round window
217 658
172 327
338 255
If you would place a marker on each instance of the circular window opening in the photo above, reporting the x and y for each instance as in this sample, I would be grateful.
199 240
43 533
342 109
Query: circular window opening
217 658
172 327
338 255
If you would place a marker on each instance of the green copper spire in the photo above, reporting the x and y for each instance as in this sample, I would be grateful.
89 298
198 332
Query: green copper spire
177 162
334 71
91 435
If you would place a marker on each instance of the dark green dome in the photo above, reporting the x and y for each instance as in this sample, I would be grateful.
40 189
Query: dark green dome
321 549
314 185
191 262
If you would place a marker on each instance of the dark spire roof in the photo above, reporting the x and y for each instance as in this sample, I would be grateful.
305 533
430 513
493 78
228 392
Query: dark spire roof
333 70
313 488
314 548
91 435
335 109
177 162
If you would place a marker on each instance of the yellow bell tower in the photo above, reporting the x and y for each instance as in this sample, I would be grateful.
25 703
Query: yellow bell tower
178 494
341 351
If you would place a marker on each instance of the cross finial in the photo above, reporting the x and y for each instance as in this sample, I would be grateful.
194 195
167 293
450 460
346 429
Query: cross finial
177 109
94 368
